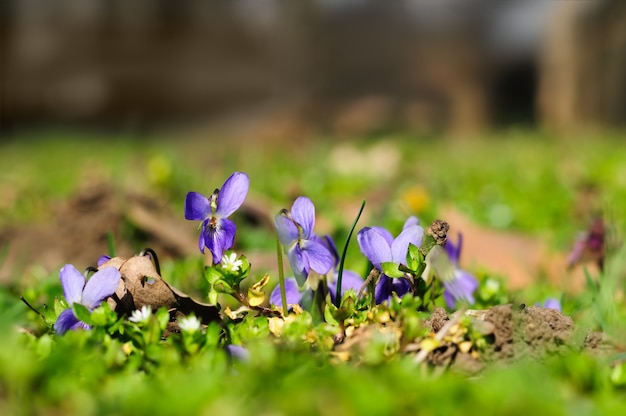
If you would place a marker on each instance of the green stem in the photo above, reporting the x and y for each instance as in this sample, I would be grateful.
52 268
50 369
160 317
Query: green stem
281 276
343 257
111 243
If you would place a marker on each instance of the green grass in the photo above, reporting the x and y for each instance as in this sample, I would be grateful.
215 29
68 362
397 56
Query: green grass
520 181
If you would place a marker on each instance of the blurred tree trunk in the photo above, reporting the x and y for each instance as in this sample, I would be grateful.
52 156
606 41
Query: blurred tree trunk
583 66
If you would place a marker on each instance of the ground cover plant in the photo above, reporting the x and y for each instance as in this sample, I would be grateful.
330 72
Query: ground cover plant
308 286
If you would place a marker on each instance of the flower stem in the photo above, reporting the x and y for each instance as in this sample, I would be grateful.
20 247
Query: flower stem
343 257
281 277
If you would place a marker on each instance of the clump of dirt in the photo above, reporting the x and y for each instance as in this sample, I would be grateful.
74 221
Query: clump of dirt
80 227
527 332
437 320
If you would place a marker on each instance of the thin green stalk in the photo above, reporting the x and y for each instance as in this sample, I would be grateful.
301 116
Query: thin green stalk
111 243
281 276
343 256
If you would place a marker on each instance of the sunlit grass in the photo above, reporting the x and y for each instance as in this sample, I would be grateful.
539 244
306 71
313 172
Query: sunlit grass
520 181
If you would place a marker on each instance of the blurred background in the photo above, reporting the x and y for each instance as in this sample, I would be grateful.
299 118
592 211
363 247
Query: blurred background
282 68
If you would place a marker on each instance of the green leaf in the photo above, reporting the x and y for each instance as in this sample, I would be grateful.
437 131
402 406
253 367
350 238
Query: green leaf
82 313
222 286
391 269
99 316
163 317
213 274
591 284
330 311
413 257
59 306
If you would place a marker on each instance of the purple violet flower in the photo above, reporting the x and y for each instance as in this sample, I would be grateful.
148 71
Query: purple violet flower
89 294
458 284
304 251
103 259
350 280
293 294
551 303
238 352
218 232
379 246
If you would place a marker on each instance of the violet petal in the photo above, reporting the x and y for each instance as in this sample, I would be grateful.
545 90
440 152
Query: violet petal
317 256
197 206
386 286
454 251
100 286
552 303
65 321
220 238
286 229
291 292
411 221
201 243
232 194
238 352
385 233
400 246
303 212
73 283
462 287
374 246
298 263
103 259
349 280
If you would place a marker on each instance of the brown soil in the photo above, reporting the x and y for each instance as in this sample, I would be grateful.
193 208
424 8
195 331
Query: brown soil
78 233
512 333
528 332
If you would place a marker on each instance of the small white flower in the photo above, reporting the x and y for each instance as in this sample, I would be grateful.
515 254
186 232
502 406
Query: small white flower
230 262
189 324
141 316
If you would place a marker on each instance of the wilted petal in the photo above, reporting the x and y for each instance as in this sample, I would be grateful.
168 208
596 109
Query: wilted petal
232 194
374 246
101 285
303 212
220 238
462 287
386 286
286 229
197 206
317 256
73 283
349 280
400 246
65 321
291 291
